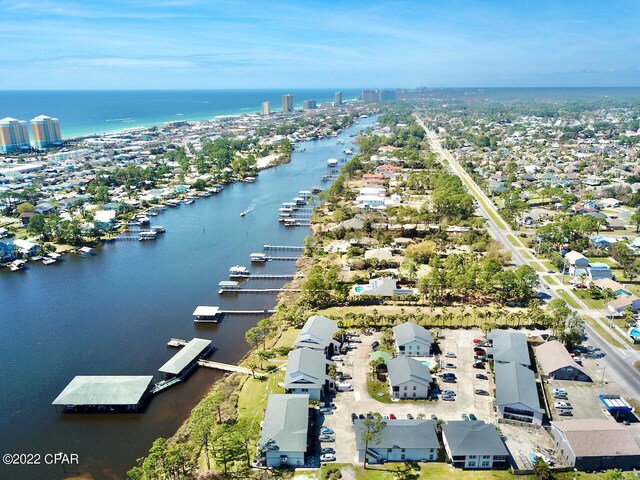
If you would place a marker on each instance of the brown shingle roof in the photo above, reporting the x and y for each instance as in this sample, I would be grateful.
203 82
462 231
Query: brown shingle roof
597 437
553 356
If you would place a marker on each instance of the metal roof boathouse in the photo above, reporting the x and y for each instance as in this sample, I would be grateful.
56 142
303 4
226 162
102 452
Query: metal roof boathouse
187 358
124 393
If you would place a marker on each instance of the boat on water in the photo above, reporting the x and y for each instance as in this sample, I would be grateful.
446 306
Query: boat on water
332 163
173 203
242 214
238 271
347 151
249 179
85 251
258 257
158 229
17 265
300 201
147 235
144 220
189 201
316 190
48 261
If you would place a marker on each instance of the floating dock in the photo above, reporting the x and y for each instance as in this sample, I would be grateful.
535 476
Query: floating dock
227 367
273 277
266 290
266 311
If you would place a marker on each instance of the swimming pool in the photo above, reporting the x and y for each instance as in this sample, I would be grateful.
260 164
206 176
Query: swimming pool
359 289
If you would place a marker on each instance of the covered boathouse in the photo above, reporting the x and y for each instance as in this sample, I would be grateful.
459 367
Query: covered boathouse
104 393
186 359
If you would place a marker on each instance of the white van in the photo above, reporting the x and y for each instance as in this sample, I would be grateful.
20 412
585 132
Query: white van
344 387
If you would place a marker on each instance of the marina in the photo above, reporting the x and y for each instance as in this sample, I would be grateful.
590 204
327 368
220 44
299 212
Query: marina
115 332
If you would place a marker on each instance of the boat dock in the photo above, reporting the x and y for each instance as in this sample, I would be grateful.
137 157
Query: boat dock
288 259
164 384
272 277
283 247
266 290
176 342
227 367
266 311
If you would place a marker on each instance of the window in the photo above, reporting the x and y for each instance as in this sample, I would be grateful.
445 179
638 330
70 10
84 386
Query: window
472 456
471 464
414 387
486 456
402 457
414 394
485 463
305 389
402 450
405 387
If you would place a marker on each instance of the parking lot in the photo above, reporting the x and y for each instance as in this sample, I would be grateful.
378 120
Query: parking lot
356 363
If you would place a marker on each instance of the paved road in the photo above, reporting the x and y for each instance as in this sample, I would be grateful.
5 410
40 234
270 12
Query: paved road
618 362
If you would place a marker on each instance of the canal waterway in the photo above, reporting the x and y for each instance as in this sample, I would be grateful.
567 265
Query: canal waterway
113 313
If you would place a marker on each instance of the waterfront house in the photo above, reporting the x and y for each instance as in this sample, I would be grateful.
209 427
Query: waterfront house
621 303
508 347
7 250
105 219
307 373
412 340
382 287
25 247
283 440
595 444
557 364
400 441
517 393
317 334
577 263
474 445
408 378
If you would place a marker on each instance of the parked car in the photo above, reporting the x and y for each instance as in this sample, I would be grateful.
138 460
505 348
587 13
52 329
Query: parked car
327 450
327 438
326 431
409 416
385 417
344 376
559 390
449 379
375 345
336 358
392 416
478 365
481 376
326 411
344 387
560 396
472 417
328 457
434 417
448 392
465 417
565 413
448 398
479 351
353 417
369 416
361 416
450 355
477 340
448 374
562 405
328 405
449 365
353 334
479 391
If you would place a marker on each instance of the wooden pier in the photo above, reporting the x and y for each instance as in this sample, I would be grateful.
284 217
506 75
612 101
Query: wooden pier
266 311
227 367
266 290
273 277
283 247
286 259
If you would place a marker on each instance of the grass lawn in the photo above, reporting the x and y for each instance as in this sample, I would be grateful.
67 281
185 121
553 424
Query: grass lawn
550 280
548 265
567 298
375 388
252 399
590 302
604 333
609 261
287 338
513 241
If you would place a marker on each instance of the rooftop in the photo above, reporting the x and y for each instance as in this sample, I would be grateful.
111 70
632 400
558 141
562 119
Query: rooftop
306 366
597 437
516 384
187 354
473 438
553 355
104 390
318 330
402 433
410 332
509 347
404 369
286 421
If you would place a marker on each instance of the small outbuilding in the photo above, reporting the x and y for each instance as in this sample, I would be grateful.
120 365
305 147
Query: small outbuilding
557 364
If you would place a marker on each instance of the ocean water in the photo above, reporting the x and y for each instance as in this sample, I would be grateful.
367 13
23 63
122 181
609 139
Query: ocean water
90 112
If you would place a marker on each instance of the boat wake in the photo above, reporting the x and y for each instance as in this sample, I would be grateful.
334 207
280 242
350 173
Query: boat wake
249 209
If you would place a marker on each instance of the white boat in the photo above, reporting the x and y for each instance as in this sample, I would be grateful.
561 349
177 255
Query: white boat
348 151
249 179
17 265
239 271
85 251
258 257
147 235
332 163
144 220
49 261
153 213
300 201
189 201
158 229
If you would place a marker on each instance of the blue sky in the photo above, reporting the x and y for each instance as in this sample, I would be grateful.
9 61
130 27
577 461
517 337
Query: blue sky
138 44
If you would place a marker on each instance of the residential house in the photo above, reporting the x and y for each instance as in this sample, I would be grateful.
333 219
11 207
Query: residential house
617 288
577 263
620 304
45 209
26 217
105 219
474 444
383 287
596 444
26 247
517 393
7 250
283 441
307 373
557 364
389 171
597 271
412 340
400 441
317 334
408 378
508 347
